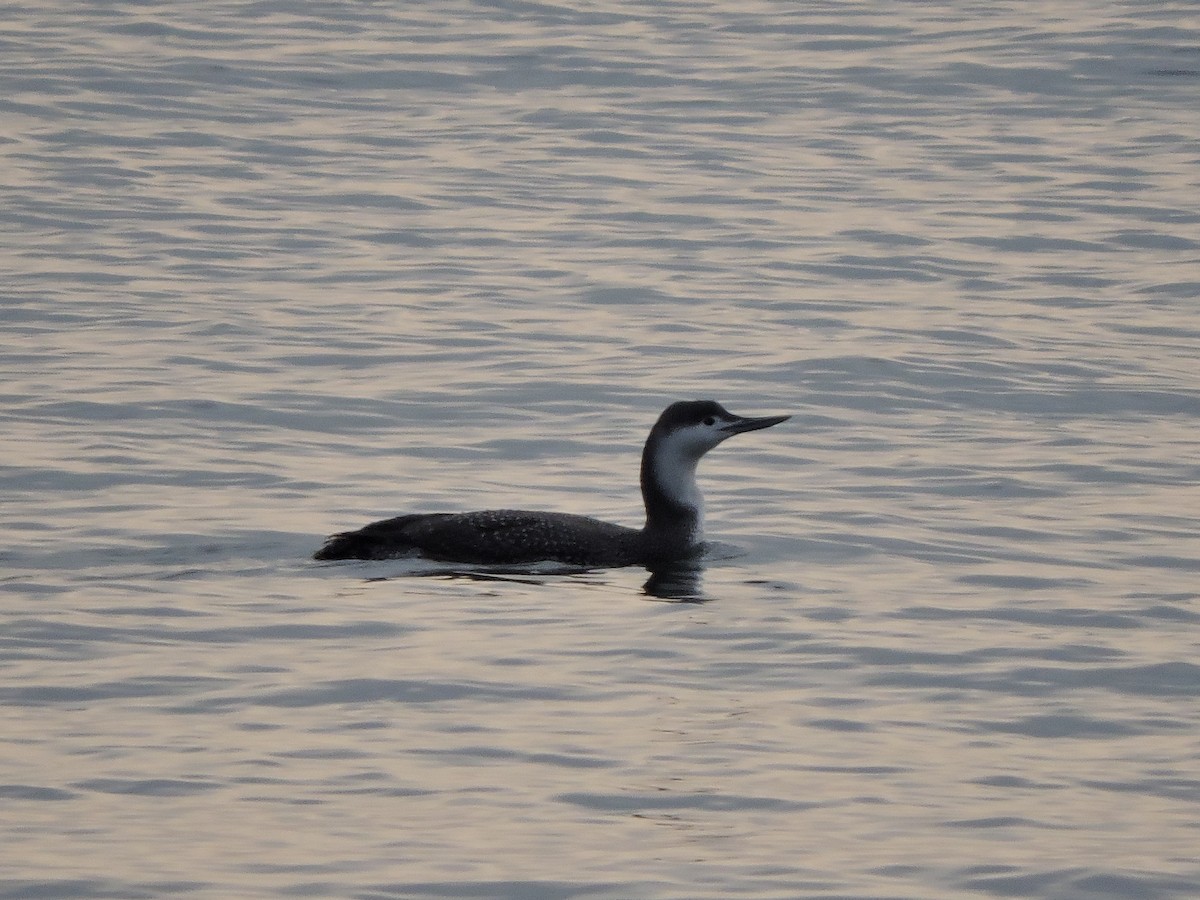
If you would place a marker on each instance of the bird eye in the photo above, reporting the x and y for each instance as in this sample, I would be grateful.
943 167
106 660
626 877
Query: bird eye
709 421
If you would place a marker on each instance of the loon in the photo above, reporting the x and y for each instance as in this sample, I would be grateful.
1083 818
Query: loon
674 512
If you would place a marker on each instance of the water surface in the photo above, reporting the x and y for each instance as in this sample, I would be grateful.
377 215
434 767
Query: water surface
275 271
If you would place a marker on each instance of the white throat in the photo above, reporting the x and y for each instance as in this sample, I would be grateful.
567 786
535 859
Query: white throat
676 476
674 469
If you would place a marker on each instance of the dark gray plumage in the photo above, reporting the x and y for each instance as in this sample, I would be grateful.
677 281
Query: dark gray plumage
674 514
491 537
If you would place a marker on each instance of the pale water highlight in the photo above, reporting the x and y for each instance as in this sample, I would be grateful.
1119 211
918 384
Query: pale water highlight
273 271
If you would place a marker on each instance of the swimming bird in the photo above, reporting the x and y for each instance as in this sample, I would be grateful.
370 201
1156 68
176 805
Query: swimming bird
674 529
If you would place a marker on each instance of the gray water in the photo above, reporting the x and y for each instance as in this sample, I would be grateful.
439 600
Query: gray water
273 270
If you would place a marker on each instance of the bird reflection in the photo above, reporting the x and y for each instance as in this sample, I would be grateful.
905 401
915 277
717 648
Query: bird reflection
679 582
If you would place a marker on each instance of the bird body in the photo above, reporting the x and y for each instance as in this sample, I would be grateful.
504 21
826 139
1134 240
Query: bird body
674 511
490 537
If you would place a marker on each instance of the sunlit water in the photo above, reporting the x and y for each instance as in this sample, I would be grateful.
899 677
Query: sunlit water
274 270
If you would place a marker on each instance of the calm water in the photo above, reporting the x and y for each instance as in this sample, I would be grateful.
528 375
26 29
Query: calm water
272 270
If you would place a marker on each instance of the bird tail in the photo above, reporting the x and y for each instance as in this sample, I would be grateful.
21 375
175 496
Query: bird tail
379 540
347 545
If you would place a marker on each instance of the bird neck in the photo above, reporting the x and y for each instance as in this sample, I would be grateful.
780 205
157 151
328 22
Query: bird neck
674 507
